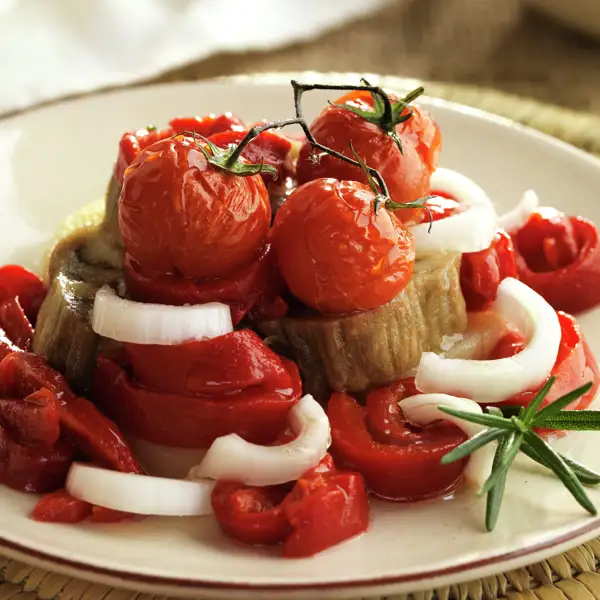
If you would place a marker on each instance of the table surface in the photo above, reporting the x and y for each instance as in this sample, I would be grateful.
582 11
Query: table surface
501 44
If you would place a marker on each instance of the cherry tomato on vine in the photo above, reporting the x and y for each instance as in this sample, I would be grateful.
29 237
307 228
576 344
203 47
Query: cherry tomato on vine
407 172
180 213
337 252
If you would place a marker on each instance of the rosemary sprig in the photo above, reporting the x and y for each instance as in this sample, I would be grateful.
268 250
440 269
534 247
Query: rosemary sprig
513 428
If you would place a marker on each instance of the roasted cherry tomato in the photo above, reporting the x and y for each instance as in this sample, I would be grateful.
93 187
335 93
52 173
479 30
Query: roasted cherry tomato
559 257
257 413
181 214
406 173
208 125
255 287
14 325
397 460
508 345
336 252
481 272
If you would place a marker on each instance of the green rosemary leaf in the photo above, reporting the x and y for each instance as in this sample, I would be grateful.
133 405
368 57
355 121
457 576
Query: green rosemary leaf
480 419
510 449
573 420
534 405
508 411
472 444
494 410
558 405
494 497
585 475
561 470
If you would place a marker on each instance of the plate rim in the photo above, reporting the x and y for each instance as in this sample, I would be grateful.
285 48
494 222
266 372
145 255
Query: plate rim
423 579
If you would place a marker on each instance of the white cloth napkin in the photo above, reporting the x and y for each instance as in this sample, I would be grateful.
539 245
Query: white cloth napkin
52 48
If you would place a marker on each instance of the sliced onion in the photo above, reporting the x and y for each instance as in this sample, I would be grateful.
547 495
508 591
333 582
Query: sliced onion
140 323
469 231
423 409
165 461
139 494
232 458
516 218
498 380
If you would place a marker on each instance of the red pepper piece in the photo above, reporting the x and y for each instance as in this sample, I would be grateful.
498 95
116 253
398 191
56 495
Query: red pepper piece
34 419
575 365
61 507
255 413
409 469
324 512
255 285
323 508
559 257
384 417
6 346
269 147
482 272
231 362
15 325
252 515
132 143
23 373
37 469
101 514
18 282
208 125
510 344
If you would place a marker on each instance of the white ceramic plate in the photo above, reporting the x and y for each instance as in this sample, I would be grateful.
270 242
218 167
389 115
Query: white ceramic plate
56 159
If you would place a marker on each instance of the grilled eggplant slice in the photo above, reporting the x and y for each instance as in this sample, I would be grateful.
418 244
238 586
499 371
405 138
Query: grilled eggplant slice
358 351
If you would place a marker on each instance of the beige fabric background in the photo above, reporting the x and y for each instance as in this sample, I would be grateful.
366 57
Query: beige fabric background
497 43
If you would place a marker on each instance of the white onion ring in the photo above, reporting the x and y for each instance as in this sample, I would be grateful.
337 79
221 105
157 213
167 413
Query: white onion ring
516 218
424 409
140 323
498 380
469 231
139 494
231 458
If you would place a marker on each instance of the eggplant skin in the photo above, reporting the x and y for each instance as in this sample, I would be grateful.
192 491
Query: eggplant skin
359 351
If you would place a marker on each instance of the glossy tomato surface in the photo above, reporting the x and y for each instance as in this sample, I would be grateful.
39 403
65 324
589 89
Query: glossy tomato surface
336 252
181 214
406 173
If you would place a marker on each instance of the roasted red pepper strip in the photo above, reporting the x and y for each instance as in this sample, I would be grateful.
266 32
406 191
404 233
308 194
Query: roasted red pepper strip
575 365
559 257
61 507
510 344
18 282
15 325
22 374
133 142
227 363
482 272
323 508
257 413
28 468
34 419
269 147
208 125
407 469
256 285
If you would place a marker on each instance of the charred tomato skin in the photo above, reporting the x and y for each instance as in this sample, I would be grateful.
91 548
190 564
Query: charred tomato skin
406 173
337 253
180 214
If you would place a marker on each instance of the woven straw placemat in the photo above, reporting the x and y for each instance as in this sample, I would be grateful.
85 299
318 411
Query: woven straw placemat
573 575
